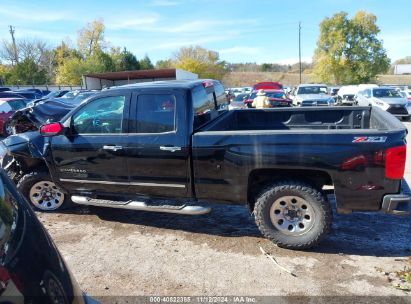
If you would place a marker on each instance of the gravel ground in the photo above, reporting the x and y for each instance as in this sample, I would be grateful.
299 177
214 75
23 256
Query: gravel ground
119 252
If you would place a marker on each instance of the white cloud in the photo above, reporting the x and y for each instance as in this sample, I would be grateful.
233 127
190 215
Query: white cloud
32 15
132 23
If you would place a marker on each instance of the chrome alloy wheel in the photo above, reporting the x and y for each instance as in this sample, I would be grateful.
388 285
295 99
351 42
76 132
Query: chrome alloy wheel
292 215
45 195
8 129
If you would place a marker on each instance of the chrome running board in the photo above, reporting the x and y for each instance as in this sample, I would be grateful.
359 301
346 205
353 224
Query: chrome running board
142 206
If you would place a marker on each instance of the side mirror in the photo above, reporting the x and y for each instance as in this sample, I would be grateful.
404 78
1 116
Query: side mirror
51 129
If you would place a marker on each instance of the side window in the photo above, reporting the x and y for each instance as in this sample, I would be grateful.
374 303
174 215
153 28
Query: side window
156 113
203 106
101 116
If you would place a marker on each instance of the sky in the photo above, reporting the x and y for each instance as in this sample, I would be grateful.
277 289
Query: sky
239 30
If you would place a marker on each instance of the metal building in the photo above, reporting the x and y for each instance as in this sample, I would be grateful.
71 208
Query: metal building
98 81
402 69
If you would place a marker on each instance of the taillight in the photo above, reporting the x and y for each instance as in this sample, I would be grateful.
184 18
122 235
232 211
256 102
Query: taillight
51 129
395 162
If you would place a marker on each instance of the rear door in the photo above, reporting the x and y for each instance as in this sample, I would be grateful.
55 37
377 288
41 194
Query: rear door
92 157
158 148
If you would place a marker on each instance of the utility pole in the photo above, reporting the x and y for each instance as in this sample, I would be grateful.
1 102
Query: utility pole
16 59
299 47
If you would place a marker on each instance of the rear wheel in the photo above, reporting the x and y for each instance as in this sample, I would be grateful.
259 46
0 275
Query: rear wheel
42 192
293 215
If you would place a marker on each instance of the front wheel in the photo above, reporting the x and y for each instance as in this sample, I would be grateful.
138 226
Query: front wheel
42 192
293 215
8 129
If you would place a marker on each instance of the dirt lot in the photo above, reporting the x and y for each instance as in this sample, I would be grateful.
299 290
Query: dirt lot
115 252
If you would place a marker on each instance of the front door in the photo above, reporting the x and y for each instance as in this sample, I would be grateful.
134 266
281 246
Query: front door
158 149
92 156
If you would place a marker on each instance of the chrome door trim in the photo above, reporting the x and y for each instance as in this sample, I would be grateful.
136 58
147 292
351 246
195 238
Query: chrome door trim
121 183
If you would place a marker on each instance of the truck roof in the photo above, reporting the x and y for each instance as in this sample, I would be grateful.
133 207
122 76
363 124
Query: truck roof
183 84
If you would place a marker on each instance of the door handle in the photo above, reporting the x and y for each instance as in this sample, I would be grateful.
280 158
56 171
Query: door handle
112 148
169 148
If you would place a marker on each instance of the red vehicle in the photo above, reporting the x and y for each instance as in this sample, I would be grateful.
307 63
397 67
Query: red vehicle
7 107
278 98
268 85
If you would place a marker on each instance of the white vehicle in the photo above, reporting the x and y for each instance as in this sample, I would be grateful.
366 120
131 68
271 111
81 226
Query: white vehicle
312 95
386 98
236 91
247 90
346 95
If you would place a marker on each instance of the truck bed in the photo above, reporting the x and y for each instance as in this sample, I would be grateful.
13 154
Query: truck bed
316 118
339 145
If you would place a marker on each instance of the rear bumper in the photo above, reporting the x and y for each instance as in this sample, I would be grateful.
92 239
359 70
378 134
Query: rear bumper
398 204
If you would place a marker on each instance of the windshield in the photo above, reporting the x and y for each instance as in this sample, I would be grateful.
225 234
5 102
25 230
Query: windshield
391 93
312 90
275 95
240 97
70 94
83 96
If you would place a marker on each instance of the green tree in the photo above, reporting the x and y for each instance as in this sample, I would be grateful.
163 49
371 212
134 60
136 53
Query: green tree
164 64
145 63
201 61
124 60
26 72
91 38
348 50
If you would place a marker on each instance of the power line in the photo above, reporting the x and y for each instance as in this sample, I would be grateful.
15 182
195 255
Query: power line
299 47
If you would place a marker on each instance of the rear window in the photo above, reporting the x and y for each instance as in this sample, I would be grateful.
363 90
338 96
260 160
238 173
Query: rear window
203 106
222 101
156 113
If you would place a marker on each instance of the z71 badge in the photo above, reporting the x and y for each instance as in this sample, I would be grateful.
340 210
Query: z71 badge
369 139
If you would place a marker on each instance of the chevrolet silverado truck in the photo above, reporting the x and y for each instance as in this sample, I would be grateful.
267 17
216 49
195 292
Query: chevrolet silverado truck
173 146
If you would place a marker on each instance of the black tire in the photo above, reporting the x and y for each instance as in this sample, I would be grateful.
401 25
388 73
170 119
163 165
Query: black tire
407 118
6 129
26 183
317 204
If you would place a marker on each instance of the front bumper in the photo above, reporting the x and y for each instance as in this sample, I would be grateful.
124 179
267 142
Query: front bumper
398 204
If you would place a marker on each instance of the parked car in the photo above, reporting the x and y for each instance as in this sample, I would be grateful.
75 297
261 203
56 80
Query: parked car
37 91
56 94
4 89
278 98
247 90
347 95
10 95
31 268
386 98
236 91
31 118
166 147
312 95
7 108
267 85
238 102
72 94
29 95
406 94
333 91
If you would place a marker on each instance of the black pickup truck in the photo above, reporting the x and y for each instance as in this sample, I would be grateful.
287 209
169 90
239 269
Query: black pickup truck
169 146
